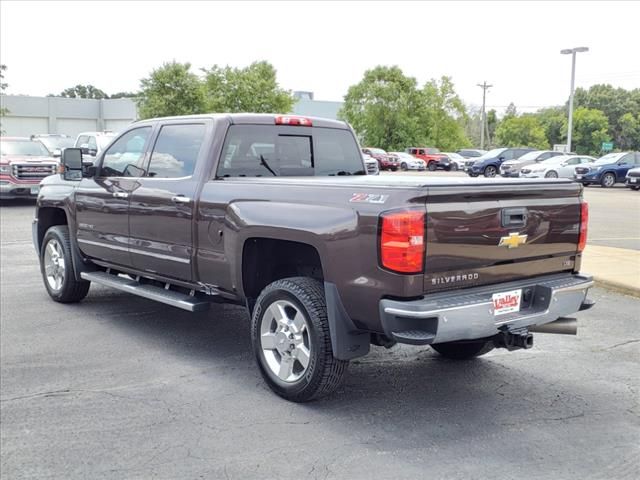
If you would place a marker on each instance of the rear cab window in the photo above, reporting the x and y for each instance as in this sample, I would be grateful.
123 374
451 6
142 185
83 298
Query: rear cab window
276 150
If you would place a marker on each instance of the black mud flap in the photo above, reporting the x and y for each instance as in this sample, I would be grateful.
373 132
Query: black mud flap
347 341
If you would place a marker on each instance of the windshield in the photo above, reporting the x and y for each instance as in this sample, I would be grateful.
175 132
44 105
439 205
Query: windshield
491 153
454 156
530 155
53 143
404 155
23 147
377 151
103 141
269 150
554 160
609 158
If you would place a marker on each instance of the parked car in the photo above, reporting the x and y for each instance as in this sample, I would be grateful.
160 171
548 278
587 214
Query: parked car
54 142
371 164
23 163
385 162
471 153
432 157
607 170
327 260
562 166
511 168
408 162
456 161
489 163
92 143
633 178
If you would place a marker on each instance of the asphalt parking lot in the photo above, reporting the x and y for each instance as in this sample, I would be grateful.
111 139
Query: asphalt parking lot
121 387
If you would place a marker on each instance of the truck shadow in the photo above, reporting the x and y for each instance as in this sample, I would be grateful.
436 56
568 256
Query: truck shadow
403 392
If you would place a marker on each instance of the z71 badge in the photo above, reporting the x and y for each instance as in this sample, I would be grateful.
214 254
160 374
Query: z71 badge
368 198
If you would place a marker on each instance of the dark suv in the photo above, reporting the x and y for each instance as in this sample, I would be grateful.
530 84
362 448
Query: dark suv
489 163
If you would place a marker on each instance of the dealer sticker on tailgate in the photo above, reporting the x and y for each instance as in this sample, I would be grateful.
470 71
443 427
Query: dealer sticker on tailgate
506 302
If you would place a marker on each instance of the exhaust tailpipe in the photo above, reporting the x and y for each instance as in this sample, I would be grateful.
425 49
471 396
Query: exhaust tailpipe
563 326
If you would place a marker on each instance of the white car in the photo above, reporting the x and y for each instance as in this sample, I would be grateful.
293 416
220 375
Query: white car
632 180
409 162
556 167
371 164
457 161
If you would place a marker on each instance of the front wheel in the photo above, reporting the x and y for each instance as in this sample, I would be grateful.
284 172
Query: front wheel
454 167
490 171
403 166
432 166
463 350
57 268
551 174
291 340
608 180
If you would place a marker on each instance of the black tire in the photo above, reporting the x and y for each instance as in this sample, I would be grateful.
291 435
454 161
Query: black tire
463 350
490 171
324 372
453 167
70 290
635 188
551 174
432 166
608 180
403 167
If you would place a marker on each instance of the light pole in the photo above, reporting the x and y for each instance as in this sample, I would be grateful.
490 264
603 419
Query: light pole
572 52
484 87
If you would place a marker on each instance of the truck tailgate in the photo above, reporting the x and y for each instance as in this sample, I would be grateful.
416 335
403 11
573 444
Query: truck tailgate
491 233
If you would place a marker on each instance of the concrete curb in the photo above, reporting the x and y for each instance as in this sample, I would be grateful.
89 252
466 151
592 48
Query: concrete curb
617 287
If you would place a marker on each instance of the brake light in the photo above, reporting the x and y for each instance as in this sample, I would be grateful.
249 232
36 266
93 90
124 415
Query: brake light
402 241
584 220
287 120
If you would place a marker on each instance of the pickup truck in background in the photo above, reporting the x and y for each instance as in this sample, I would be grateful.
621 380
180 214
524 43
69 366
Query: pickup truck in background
276 213
23 164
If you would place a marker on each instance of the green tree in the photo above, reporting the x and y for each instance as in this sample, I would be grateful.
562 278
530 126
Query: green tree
629 138
492 124
554 123
510 112
615 103
385 109
524 130
82 91
590 129
3 86
171 90
251 89
124 95
442 114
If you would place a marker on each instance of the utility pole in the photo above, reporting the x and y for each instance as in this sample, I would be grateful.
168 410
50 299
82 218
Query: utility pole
572 52
484 87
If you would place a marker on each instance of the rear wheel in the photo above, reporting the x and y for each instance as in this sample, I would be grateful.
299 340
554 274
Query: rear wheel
403 166
490 171
463 350
608 180
551 174
291 341
432 166
57 269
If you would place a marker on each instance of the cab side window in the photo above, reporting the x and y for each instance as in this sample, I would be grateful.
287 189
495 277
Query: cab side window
123 157
176 151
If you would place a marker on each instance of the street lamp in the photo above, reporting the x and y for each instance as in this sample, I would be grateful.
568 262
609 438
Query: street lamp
572 52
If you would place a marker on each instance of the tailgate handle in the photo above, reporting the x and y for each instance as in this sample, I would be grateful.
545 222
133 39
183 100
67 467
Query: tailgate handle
514 217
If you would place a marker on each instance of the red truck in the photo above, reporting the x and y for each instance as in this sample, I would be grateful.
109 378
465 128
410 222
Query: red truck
23 164
432 157
385 161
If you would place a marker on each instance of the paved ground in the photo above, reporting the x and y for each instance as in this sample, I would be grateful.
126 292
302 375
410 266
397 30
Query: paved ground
121 387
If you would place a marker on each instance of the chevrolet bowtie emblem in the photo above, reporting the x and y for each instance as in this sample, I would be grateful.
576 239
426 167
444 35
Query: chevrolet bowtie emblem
513 240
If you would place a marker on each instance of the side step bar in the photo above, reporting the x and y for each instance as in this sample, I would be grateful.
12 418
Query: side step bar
162 295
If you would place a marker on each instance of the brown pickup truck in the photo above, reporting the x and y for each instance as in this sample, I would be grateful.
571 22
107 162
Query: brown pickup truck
277 213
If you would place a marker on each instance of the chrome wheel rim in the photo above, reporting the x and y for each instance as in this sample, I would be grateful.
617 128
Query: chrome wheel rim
609 180
491 172
552 175
284 339
54 266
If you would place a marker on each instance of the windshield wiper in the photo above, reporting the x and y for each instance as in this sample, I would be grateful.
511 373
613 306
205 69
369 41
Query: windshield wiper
264 163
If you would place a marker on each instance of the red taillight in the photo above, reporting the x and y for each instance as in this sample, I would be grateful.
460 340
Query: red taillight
402 241
300 121
584 220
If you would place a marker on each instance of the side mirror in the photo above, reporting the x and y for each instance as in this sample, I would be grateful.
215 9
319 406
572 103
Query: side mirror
71 160
501 158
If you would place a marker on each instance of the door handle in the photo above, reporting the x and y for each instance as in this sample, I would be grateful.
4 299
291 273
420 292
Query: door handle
120 194
180 199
